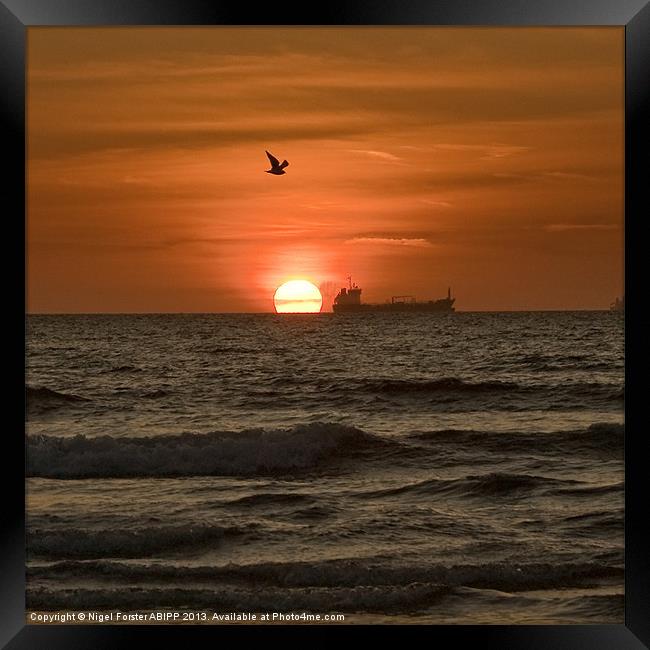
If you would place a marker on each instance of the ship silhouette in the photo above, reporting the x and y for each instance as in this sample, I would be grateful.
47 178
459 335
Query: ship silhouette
348 300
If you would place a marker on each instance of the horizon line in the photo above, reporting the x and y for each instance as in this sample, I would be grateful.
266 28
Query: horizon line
272 313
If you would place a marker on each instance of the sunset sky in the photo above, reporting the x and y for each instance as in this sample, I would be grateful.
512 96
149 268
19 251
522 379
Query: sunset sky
487 159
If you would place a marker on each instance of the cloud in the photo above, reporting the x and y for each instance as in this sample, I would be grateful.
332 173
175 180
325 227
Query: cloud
437 204
383 155
325 205
562 227
418 242
568 176
503 151
489 151
153 136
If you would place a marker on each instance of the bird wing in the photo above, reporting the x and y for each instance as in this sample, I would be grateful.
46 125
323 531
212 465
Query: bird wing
274 161
284 164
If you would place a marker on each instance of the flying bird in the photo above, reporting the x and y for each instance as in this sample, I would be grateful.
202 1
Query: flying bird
277 167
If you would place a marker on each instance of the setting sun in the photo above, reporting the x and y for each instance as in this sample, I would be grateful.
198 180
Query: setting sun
297 297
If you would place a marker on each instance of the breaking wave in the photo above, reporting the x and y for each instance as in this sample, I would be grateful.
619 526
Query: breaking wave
493 484
390 599
305 447
342 585
602 438
250 452
443 385
342 574
40 399
142 542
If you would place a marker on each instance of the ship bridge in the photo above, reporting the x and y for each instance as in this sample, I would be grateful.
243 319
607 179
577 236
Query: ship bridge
350 295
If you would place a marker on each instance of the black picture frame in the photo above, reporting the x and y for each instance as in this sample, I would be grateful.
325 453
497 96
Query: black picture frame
634 15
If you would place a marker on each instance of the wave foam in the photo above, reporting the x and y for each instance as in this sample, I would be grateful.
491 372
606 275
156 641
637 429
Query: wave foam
442 385
601 438
84 543
251 452
493 484
392 599
348 573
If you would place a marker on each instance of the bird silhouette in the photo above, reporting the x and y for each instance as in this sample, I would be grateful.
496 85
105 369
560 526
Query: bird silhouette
277 167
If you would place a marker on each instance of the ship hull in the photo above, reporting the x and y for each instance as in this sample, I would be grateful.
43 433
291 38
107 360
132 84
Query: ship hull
444 307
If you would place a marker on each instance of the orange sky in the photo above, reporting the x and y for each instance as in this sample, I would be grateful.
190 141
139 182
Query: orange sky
487 159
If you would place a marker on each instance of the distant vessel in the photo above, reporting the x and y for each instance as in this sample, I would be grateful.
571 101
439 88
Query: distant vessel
348 300
618 304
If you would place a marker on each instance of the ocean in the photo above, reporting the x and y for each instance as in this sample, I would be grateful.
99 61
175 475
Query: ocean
395 468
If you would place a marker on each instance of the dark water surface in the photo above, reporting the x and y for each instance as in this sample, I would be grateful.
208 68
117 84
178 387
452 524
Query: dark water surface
463 468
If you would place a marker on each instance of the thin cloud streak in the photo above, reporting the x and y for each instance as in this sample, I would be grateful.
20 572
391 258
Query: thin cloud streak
390 241
382 155
563 227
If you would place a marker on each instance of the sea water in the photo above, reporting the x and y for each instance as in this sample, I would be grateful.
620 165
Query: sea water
433 468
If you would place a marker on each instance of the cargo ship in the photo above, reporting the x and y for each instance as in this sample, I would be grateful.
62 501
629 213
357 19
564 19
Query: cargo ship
348 300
